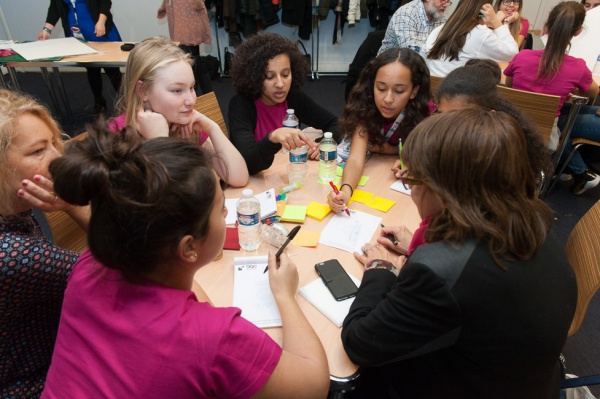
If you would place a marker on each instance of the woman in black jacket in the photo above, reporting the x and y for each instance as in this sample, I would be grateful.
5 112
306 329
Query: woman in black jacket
90 20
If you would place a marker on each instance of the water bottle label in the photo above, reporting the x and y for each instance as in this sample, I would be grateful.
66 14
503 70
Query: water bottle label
328 155
248 220
299 158
290 124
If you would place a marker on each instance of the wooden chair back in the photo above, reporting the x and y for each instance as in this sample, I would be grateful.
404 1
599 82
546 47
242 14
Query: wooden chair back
541 108
67 234
434 83
208 105
583 252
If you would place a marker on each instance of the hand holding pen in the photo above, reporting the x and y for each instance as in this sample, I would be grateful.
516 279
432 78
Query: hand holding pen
397 238
337 192
290 237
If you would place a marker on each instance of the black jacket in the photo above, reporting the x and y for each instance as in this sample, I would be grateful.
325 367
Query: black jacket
58 9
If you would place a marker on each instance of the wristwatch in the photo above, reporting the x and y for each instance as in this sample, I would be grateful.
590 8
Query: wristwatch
47 30
382 264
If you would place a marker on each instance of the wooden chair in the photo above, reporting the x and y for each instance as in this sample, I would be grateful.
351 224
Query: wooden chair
434 83
208 105
583 252
67 234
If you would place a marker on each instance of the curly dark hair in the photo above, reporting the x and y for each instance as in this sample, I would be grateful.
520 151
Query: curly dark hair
360 107
249 68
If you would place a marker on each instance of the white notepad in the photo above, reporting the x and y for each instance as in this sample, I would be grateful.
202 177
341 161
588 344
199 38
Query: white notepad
268 206
320 297
398 186
252 294
349 233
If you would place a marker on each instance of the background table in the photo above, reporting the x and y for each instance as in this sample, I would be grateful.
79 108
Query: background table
216 278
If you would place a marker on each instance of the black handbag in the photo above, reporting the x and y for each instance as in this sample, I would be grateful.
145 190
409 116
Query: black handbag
228 61
306 55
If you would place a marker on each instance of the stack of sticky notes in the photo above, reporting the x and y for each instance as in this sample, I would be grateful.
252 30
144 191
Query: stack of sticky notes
307 238
317 210
372 201
294 213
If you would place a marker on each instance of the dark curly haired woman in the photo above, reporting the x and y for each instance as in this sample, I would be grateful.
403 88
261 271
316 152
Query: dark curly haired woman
268 72
390 98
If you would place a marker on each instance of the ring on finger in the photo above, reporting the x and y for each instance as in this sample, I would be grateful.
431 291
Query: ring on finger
55 198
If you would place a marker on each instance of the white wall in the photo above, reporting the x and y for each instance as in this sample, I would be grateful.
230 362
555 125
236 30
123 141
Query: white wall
136 20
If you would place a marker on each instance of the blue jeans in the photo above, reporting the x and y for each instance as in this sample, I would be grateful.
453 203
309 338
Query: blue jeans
587 126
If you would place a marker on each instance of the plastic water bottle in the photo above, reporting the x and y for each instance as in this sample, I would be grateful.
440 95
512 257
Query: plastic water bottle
248 213
327 158
596 70
290 121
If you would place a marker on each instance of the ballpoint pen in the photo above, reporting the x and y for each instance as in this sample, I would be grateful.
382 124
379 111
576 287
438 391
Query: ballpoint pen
290 237
390 236
337 192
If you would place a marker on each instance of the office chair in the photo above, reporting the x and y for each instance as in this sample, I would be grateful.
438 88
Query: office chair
208 105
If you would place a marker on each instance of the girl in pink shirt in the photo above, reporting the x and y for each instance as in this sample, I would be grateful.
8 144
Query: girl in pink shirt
131 326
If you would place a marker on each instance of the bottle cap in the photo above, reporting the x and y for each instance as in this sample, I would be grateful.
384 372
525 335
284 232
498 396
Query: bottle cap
290 111
328 135
248 193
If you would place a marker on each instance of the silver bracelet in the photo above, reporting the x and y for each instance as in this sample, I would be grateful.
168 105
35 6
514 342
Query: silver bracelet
47 30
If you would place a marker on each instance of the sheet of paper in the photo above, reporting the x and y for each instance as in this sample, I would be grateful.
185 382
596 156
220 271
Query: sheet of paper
380 203
317 210
268 205
320 297
294 213
308 239
6 44
52 48
363 180
350 233
252 294
398 186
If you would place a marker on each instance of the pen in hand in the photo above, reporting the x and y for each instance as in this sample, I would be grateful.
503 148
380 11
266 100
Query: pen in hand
390 236
337 192
290 237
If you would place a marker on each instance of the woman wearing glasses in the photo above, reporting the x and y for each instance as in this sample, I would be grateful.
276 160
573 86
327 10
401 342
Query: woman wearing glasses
474 30
481 308
518 25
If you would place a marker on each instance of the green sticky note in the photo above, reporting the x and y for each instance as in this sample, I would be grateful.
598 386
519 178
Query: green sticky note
363 180
294 214
339 171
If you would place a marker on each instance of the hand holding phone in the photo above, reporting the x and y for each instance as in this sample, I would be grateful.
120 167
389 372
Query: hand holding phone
336 279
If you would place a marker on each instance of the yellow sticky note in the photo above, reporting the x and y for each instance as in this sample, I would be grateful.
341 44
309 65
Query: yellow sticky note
380 203
317 210
294 213
339 171
307 238
363 180
362 196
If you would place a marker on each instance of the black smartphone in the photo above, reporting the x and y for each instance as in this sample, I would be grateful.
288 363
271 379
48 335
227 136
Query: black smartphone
336 279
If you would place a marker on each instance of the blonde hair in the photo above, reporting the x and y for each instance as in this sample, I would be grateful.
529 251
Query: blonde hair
143 64
12 107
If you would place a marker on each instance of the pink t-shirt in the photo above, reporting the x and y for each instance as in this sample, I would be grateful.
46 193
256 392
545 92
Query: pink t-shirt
573 74
118 124
418 236
524 27
120 339
268 118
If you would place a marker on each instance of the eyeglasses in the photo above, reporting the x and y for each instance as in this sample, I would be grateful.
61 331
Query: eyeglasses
408 182
449 3
515 2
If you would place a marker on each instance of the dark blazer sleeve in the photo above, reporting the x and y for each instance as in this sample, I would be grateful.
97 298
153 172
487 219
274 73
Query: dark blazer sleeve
258 155
105 6
53 14
312 114
393 319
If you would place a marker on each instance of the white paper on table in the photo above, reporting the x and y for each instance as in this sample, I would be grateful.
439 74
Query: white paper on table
398 186
252 294
6 44
321 298
268 205
51 48
349 233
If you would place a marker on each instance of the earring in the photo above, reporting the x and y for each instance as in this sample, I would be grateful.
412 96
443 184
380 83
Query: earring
194 256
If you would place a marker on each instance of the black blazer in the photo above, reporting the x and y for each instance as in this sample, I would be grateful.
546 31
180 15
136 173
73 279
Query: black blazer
58 9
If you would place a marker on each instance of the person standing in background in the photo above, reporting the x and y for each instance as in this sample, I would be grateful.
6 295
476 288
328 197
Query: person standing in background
87 20
188 25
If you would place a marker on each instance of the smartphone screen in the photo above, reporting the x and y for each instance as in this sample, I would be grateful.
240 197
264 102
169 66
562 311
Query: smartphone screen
336 279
